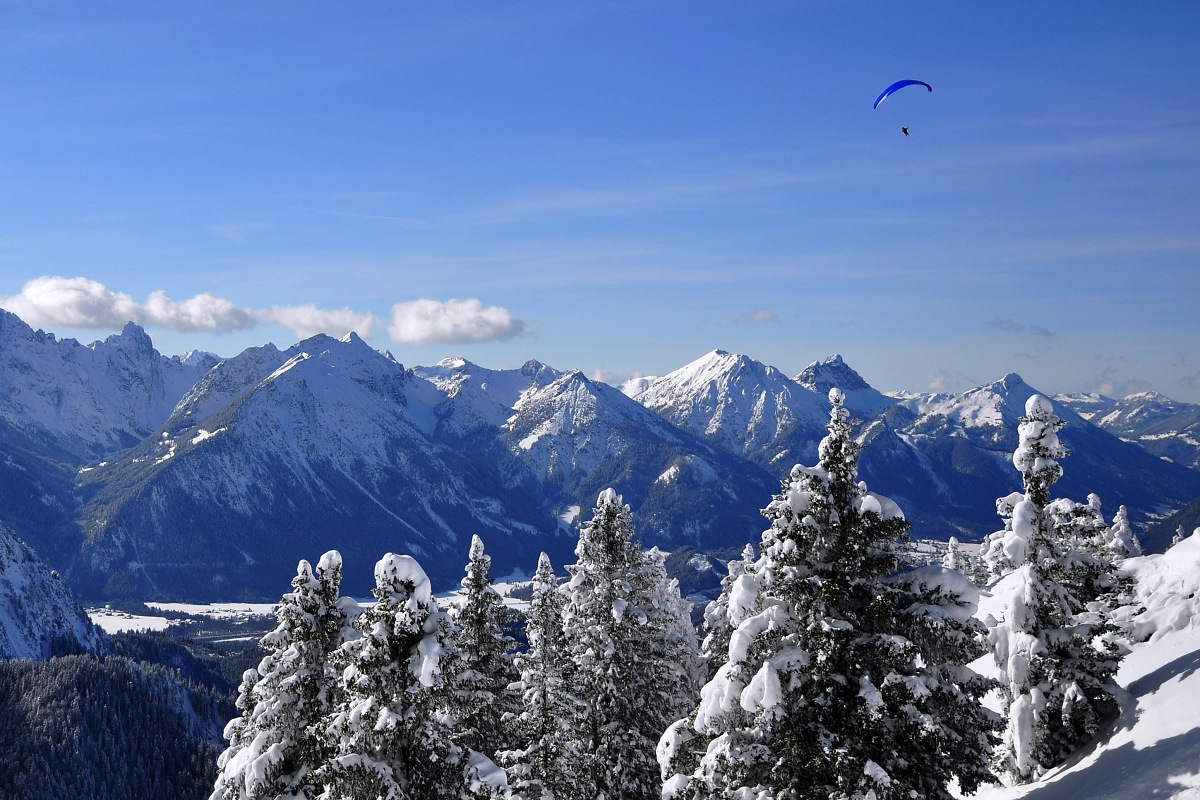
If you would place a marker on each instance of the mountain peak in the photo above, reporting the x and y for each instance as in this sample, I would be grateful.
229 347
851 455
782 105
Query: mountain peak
133 337
821 376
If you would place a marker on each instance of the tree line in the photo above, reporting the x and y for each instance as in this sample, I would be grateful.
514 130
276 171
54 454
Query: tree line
829 666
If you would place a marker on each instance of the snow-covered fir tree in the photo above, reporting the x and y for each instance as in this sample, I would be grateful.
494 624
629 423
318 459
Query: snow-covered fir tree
279 742
395 742
718 626
844 678
633 651
547 763
955 559
477 680
1122 541
1052 648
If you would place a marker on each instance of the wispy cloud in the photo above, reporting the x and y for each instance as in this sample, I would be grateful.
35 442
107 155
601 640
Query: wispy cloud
1109 383
454 321
308 320
948 380
239 234
85 303
756 316
1012 326
1009 325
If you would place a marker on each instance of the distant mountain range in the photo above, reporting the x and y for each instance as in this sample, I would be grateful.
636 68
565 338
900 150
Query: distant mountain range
139 475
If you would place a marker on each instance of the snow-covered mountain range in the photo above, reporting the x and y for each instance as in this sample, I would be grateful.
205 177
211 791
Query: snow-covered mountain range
1165 427
141 475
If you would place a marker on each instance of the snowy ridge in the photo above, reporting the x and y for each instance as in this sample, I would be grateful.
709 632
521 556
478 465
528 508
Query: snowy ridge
89 399
37 608
997 404
336 437
555 428
479 397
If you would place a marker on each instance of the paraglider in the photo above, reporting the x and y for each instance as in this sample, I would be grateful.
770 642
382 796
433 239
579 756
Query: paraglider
899 85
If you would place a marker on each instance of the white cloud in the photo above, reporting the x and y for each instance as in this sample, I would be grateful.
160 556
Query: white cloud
89 304
204 312
73 302
455 321
308 320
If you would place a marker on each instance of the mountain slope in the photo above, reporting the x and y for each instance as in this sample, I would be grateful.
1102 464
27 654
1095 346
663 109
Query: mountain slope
331 449
579 437
861 397
1153 749
38 612
87 400
63 403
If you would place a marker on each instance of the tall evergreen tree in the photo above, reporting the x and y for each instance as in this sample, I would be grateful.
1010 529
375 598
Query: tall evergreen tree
844 678
719 623
394 741
633 650
478 691
547 763
1053 647
279 741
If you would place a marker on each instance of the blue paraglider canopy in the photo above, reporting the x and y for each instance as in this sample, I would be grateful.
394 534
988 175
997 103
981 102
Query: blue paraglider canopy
899 85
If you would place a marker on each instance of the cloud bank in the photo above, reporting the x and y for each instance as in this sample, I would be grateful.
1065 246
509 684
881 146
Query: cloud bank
52 301
454 321
308 320
84 303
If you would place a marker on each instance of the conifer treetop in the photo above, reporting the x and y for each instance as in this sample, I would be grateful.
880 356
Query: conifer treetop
396 574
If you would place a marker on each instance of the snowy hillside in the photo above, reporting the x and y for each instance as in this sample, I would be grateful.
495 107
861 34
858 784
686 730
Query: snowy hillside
477 397
1153 749
580 437
37 610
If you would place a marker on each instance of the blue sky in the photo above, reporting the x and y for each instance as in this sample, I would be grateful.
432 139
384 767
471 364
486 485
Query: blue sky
618 187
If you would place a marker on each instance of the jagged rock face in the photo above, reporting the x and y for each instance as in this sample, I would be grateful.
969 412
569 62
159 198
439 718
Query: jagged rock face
38 612
88 400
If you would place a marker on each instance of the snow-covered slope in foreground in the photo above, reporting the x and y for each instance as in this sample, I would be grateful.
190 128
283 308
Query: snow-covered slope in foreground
37 609
1153 751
